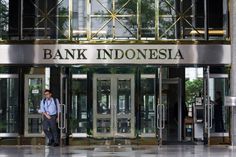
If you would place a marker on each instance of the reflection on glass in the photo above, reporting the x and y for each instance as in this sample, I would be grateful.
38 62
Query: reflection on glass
79 19
78 121
46 19
35 94
34 125
124 96
148 19
123 125
113 19
103 125
221 116
103 96
4 19
8 105
148 105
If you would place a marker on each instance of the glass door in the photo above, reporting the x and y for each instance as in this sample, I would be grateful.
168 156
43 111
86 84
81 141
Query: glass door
148 105
169 109
78 117
9 106
34 88
62 123
217 117
171 99
124 106
113 107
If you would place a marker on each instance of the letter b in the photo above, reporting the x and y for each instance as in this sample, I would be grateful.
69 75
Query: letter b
47 53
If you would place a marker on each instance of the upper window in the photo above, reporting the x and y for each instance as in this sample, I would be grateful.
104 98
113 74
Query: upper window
114 19
46 19
4 19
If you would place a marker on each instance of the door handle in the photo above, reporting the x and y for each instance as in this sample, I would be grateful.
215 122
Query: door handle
211 114
62 118
158 117
161 116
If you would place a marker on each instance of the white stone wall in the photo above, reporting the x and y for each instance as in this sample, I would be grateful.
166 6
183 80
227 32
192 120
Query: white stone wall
233 66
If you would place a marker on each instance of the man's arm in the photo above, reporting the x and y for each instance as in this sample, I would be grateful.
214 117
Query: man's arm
58 110
43 111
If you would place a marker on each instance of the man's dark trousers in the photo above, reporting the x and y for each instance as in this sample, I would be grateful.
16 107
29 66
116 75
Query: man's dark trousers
50 129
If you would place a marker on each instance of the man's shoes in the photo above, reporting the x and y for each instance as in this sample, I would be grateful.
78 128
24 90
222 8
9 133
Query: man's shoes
56 144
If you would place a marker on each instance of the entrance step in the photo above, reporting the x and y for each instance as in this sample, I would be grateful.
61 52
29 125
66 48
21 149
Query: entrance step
118 142
113 148
115 141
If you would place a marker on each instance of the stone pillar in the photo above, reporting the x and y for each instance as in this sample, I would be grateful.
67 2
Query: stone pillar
232 5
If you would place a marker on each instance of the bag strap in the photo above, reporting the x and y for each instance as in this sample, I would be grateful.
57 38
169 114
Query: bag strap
55 102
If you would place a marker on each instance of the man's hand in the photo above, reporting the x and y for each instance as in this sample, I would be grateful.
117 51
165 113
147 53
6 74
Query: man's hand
47 116
57 119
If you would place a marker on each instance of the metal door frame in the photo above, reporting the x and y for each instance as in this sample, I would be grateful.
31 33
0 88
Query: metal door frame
177 81
151 76
219 76
27 116
82 77
9 76
208 107
113 116
161 107
62 123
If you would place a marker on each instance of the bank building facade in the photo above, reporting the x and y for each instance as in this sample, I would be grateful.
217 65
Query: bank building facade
125 71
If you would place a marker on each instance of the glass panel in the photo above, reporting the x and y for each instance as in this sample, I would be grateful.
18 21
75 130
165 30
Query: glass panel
103 96
170 101
35 94
9 105
101 7
116 19
46 19
218 19
78 121
181 19
193 21
124 125
101 28
126 28
4 19
34 125
79 18
217 91
148 19
124 96
148 105
103 125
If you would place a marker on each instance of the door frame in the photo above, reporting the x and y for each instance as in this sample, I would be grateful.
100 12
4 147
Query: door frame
9 76
113 115
26 115
177 81
151 76
208 107
82 77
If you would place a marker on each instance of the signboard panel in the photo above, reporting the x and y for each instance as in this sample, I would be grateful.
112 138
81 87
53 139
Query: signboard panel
115 54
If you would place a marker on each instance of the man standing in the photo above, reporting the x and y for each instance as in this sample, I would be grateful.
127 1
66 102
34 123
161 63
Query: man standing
50 109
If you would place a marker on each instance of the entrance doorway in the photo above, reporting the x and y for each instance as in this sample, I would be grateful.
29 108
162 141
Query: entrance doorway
113 105
217 116
171 99
9 108
34 88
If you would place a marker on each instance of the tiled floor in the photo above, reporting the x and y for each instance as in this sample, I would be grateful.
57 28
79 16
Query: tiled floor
118 151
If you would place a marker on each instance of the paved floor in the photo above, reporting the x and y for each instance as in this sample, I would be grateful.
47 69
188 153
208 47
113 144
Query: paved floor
118 151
